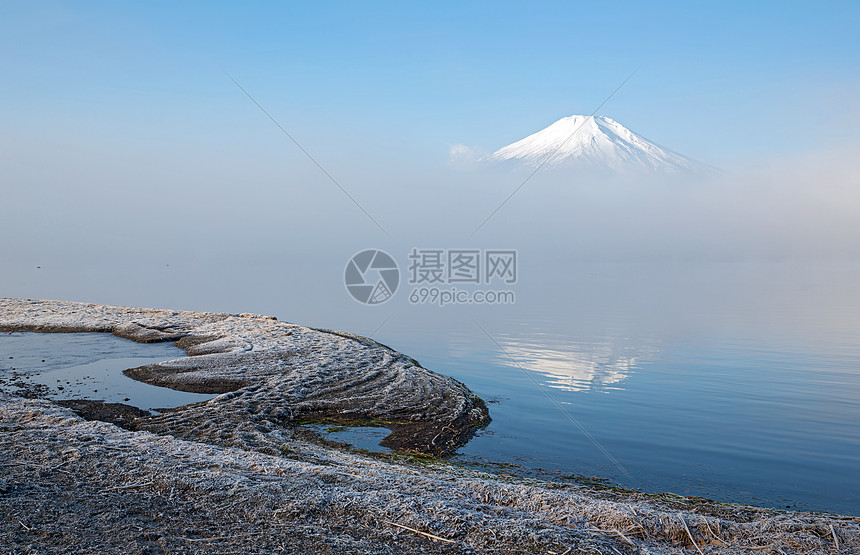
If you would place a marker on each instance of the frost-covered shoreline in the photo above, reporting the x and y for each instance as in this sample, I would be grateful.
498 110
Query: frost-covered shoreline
270 372
229 477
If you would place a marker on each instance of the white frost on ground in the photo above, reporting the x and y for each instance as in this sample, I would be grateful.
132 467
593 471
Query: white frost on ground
246 497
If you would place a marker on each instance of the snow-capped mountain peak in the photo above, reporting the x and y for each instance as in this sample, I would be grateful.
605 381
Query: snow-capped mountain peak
595 141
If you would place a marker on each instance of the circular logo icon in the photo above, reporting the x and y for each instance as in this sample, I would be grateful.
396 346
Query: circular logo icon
371 276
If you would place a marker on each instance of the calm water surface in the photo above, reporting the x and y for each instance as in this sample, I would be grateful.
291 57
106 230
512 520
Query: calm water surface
733 382
87 366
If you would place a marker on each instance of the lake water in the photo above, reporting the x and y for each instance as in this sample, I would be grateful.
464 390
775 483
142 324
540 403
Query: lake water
732 381
736 382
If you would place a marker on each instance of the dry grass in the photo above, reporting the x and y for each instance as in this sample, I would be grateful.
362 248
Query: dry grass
123 490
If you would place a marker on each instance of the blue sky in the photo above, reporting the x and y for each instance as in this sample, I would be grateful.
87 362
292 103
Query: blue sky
717 81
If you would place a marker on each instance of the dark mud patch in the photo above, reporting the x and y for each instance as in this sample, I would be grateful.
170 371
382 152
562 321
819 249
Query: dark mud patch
429 438
54 328
149 333
119 414
154 374
190 342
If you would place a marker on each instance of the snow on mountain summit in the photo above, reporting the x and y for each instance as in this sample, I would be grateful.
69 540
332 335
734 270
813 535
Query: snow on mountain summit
595 141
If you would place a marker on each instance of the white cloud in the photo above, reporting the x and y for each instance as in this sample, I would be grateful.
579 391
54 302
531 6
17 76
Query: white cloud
464 157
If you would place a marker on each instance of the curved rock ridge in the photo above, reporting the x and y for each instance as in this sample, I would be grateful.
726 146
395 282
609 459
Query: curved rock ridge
269 373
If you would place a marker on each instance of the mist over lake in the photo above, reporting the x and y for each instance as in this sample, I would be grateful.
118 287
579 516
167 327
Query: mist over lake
703 333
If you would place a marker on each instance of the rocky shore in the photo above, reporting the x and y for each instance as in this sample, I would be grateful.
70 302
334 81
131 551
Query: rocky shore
235 475
270 373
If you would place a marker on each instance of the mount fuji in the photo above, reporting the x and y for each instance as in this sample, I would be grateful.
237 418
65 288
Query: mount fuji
596 142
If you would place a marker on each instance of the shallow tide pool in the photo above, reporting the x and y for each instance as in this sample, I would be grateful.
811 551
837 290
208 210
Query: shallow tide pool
87 366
